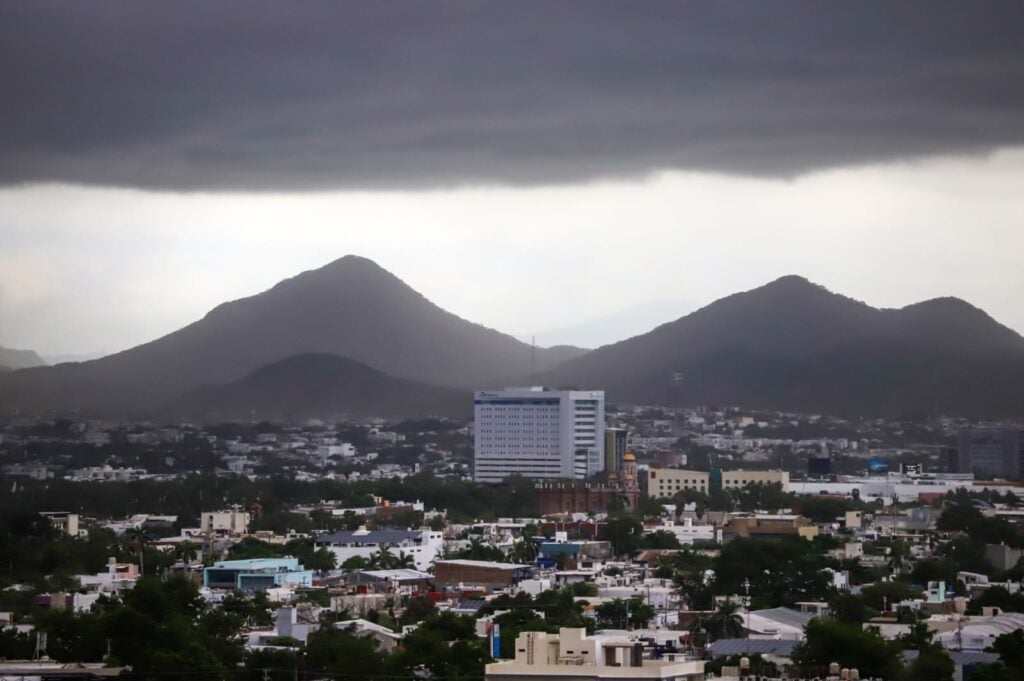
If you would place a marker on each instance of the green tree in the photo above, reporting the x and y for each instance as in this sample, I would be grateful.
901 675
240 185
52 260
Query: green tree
1010 648
334 651
887 595
827 641
478 550
661 539
613 614
624 531
779 572
446 646
280 665
849 609
356 563
726 621
932 664
417 609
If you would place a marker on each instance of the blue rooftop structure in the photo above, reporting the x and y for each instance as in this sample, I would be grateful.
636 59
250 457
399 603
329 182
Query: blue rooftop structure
256 574
554 548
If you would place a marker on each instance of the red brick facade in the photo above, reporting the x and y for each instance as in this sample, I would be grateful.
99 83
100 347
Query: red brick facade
570 498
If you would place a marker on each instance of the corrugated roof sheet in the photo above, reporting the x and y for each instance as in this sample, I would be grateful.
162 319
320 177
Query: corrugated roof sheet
787 616
481 564
386 536
400 574
725 647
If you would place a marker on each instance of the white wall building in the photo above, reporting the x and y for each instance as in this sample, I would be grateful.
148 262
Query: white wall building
687 532
896 486
571 654
233 522
423 545
538 433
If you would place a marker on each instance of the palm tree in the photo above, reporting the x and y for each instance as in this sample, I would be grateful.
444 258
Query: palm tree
475 550
523 551
138 537
404 560
186 552
382 558
726 622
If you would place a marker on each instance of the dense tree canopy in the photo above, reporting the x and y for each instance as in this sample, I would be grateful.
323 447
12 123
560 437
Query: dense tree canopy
829 641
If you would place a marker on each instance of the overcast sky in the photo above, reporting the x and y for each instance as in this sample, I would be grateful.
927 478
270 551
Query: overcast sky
525 165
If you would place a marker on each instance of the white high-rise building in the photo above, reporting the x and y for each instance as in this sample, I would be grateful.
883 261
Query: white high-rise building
538 433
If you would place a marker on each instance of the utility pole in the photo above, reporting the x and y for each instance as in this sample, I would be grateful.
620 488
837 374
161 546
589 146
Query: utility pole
746 587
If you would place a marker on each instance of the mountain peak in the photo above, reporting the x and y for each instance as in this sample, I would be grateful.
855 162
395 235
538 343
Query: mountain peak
791 284
351 260
350 307
791 280
946 304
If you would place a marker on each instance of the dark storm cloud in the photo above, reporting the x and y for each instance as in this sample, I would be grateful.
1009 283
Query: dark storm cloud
228 95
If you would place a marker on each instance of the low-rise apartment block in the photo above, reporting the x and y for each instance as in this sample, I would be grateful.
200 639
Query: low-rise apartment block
740 479
571 654
257 574
232 523
667 482
423 545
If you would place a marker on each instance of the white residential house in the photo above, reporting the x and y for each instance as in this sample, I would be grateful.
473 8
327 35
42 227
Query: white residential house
571 654
424 544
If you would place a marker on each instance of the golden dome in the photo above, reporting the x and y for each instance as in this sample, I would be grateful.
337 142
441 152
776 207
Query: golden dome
629 457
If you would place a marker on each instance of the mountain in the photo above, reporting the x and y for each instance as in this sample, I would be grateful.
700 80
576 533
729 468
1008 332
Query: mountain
323 386
19 359
352 308
73 357
792 344
616 326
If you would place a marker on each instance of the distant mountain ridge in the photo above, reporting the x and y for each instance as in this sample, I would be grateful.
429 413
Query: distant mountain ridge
19 359
618 325
351 328
792 344
321 386
351 307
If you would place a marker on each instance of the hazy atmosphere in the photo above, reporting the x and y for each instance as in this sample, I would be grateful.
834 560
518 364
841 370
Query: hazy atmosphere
448 340
531 183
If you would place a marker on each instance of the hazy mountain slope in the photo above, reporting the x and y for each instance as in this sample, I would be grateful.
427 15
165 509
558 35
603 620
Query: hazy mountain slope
613 327
326 386
793 344
19 359
351 307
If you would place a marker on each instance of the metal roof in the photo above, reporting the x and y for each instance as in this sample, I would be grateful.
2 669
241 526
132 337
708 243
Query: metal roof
385 536
399 575
724 647
786 616
481 564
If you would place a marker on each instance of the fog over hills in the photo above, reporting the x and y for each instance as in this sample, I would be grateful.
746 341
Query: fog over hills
322 386
351 307
351 338
793 344
611 328
19 359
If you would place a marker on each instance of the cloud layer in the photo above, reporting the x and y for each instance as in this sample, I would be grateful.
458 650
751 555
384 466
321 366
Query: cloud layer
285 96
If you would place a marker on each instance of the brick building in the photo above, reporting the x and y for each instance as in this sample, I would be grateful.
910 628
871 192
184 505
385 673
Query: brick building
457 574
